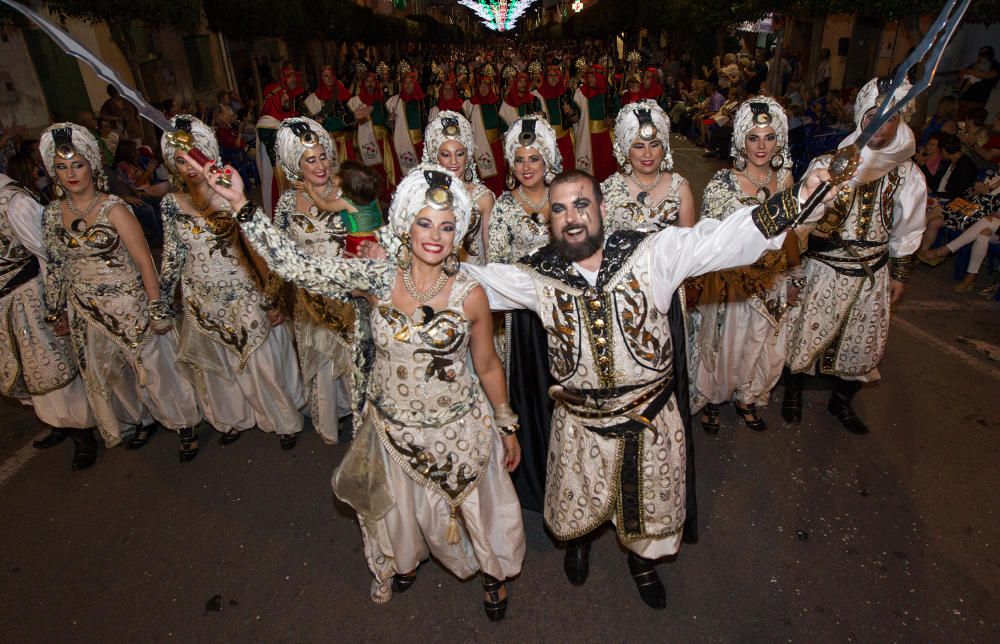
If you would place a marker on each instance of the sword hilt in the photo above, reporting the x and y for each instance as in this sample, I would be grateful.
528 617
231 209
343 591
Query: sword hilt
843 166
185 142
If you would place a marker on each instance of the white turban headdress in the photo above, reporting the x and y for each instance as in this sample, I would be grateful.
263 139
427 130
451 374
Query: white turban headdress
642 120
65 141
877 163
204 140
450 126
295 136
534 132
429 184
761 112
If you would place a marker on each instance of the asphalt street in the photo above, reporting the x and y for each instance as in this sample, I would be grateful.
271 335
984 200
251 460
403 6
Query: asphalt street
808 533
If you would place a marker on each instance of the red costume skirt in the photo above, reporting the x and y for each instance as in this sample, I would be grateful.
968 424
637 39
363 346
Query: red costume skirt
604 157
565 144
497 183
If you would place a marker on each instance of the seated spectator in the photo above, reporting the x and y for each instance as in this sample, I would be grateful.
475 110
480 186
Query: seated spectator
986 153
932 163
108 134
21 169
980 201
947 108
961 172
704 111
793 97
719 129
232 147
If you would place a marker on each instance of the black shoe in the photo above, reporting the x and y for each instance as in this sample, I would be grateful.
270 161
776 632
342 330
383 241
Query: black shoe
791 405
690 533
647 581
142 435
495 607
288 441
85 448
840 406
577 561
750 417
402 583
710 419
189 444
55 437
229 437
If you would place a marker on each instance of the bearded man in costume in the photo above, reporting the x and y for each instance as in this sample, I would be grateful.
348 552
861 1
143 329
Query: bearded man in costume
594 153
276 108
612 312
374 142
858 262
560 110
328 106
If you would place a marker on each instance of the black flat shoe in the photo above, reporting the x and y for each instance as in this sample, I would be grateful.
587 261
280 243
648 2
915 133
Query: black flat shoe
288 441
142 435
495 607
54 437
85 448
229 437
189 444
647 581
845 414
710 419
402 583
750 417
577 561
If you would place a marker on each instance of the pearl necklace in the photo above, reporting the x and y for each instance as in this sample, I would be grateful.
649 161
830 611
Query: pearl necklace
79 224
423 296
326 193
761 185
646 190
536 207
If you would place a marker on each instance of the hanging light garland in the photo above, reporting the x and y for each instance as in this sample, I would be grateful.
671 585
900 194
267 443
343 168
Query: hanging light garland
498 15
577 6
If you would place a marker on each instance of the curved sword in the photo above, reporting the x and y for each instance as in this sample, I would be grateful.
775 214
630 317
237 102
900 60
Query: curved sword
76 49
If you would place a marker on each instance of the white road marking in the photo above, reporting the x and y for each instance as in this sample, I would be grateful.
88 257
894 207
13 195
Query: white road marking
12 465
954 352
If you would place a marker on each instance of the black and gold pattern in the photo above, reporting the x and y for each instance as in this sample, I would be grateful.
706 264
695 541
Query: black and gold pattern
779 212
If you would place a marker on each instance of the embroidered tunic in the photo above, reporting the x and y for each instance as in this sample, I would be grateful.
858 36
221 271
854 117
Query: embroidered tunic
35 364
513 233
128 370
324 326
244 371
741 341
610 345
843 319
472 245
426 419
626 213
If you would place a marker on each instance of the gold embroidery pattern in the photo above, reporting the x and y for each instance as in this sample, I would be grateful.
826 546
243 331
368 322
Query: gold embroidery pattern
562 335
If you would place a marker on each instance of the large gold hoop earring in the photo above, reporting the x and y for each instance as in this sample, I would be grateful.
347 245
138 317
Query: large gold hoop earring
451 264
403 257
511 181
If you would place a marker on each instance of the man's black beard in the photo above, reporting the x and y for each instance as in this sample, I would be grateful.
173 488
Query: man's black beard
581 250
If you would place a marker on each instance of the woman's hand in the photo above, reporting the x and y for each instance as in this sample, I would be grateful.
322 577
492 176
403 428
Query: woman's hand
275 317
331 203
512 452
371 250
232 193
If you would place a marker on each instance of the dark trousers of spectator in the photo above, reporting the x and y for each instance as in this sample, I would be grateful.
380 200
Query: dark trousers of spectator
719 141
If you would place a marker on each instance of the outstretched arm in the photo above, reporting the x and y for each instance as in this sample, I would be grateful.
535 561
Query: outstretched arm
330 276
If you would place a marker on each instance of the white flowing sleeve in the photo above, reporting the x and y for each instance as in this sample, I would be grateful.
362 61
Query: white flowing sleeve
712 245
909 215
507 286
25 217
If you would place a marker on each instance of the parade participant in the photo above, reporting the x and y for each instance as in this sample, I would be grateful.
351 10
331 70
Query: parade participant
37 366
858 263
594 153
614 328
483 112
741 332
406 116
519 225
234 348
324 327
328 105
448 100
633 91
424 478
560 110
519 101
646 192
101 287
276 108
294 85
450 143
374 142
651 88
